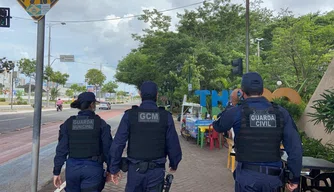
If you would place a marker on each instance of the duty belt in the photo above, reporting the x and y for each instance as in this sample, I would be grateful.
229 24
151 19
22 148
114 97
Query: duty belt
97 158
142 167
262 169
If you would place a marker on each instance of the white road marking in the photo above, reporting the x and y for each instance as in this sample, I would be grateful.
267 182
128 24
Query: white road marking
12 119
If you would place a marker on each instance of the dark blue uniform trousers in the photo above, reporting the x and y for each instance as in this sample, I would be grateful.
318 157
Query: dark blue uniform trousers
84 176
147 182
252 181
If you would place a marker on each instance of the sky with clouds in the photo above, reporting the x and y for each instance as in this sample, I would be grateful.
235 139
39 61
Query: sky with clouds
95 43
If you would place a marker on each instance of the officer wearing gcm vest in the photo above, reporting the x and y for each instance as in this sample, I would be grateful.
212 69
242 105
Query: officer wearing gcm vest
259 128
151 136
86 140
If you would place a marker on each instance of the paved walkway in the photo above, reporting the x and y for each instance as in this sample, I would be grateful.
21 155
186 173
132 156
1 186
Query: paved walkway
200 170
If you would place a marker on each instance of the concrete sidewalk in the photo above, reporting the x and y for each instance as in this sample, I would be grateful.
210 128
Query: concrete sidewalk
200 170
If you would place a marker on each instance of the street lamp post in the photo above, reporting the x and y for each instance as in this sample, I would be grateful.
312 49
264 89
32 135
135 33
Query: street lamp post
258 45
49 64
247 36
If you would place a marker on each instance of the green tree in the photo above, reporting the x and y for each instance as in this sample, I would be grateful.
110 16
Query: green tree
59 78
77 89
135 69
54 93
69 93
95 77
300 54
110 87
28 68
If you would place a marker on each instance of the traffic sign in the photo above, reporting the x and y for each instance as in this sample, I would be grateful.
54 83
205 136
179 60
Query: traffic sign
190 87
37 8
66 58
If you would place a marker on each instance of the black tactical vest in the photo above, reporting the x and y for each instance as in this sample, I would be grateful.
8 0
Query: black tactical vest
147 136
260 135
84 136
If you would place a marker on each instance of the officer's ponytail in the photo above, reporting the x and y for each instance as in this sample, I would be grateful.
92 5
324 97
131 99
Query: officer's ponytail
82 106
75 104
85 105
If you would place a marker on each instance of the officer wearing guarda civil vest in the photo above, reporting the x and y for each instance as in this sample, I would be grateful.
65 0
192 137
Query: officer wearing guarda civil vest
84 142
151 136
260 126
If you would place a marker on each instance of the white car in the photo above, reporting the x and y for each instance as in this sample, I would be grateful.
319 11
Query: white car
105 105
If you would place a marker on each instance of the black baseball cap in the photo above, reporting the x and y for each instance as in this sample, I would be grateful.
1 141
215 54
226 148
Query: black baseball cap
252 82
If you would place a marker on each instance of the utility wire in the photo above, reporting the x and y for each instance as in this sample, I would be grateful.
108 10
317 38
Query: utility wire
112 19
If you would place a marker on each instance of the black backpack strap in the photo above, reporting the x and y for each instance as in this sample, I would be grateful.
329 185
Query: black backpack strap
244 105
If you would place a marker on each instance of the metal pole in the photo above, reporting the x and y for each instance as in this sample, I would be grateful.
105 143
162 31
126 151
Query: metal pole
258 48
11 99
49 65
247 36
189 80
38 104
29 101
101 85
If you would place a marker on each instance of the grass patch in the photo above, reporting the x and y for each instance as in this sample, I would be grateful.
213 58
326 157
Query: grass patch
4 103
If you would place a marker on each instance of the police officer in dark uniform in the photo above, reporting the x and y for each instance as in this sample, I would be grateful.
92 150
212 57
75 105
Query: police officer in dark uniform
151 136
84 142
260 126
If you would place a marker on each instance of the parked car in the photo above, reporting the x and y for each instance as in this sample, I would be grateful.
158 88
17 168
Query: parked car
105 105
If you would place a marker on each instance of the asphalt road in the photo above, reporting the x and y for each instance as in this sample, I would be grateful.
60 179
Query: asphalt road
13 122
15 175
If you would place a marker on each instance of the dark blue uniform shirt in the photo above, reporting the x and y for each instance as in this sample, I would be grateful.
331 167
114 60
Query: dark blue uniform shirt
62 149
291 139
173 147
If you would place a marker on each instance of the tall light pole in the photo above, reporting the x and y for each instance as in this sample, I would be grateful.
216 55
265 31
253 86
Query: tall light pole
49 63
100 85
247 36
258 45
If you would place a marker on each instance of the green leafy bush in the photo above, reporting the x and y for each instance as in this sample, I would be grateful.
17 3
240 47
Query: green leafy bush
314 148
324 108
295 110
2 100
21 102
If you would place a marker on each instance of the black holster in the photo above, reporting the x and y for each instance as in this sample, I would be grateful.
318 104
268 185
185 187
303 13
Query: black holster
168 183
124 165
103 182
286 176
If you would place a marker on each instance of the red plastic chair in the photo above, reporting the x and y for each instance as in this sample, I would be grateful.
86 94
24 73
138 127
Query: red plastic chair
213 138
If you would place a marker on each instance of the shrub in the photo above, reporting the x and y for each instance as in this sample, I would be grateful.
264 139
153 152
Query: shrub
22 103
324 111
314 148
295 110
2 100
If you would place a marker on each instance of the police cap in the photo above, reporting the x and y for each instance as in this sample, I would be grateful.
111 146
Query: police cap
86 97
252 82
149 90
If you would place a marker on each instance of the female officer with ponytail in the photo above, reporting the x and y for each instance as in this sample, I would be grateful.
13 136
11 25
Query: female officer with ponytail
84 142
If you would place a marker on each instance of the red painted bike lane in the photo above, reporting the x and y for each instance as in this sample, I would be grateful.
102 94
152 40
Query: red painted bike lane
15 144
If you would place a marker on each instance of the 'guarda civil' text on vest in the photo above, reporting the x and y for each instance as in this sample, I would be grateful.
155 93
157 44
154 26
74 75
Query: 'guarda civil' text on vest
84 136
260 134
